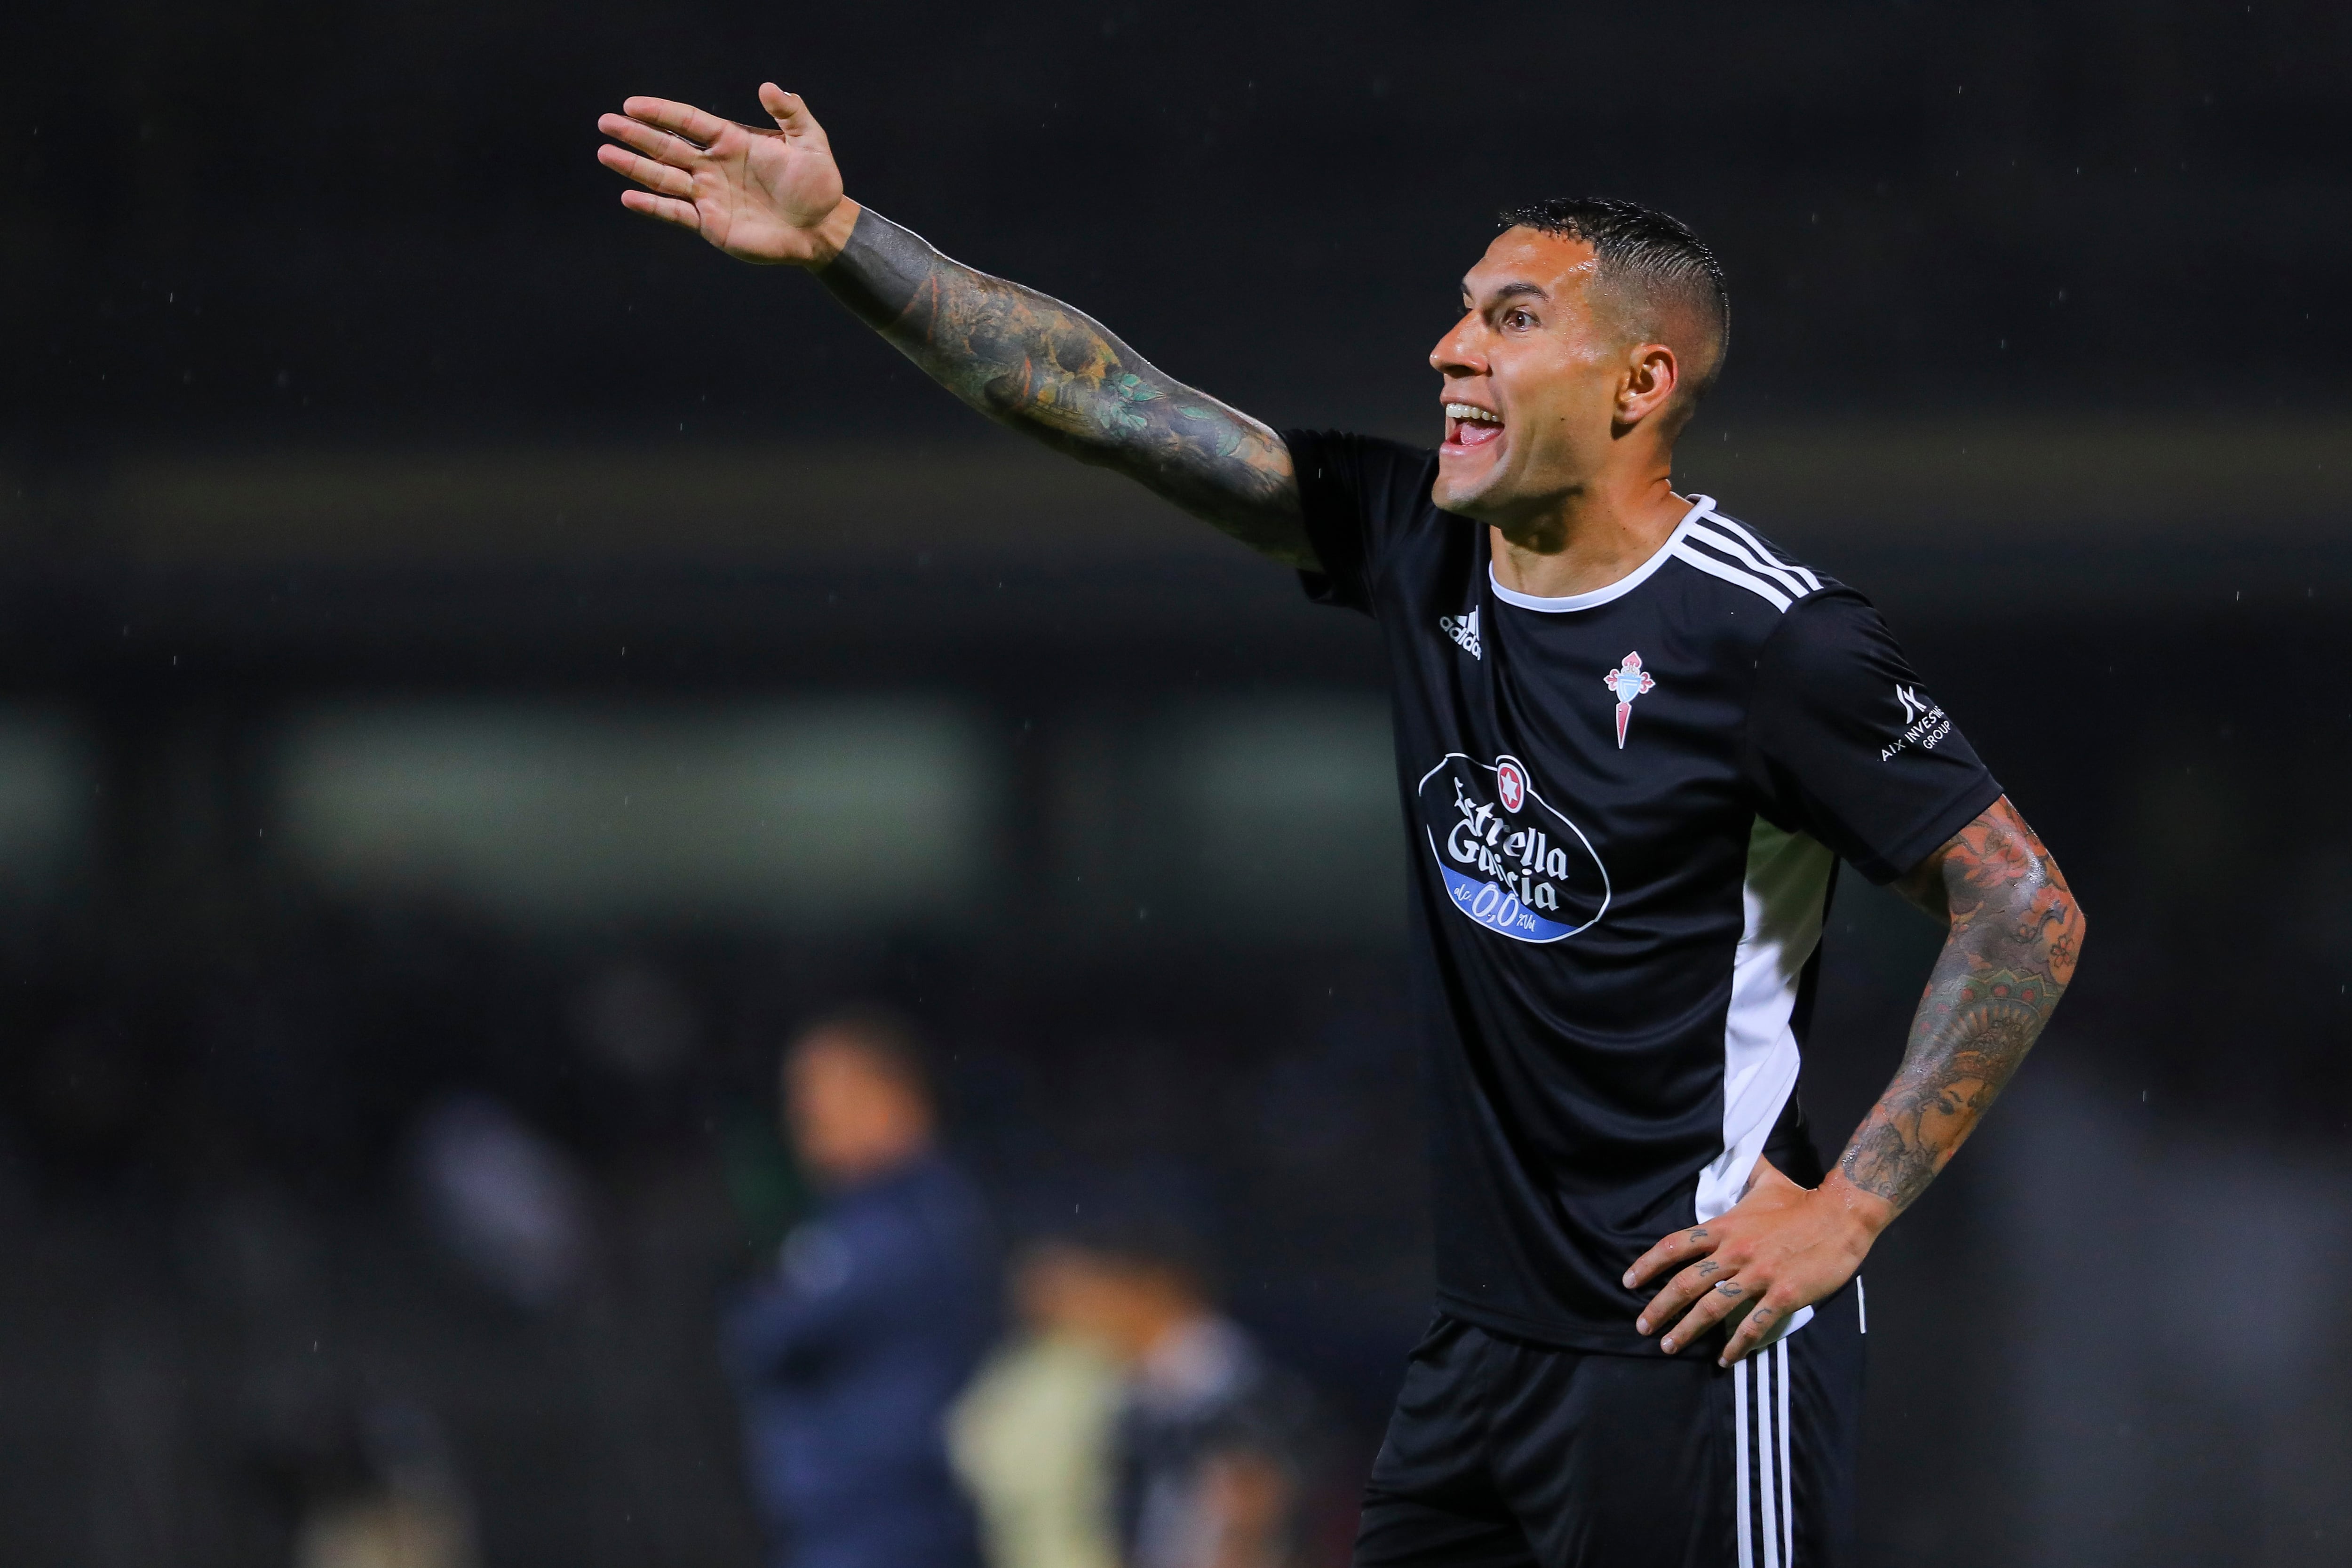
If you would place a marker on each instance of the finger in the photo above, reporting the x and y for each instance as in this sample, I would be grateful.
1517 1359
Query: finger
789 110
791 113
1680 1292
646 172
1768 1315
696 125
1728 1295
1671 1252
660 146
669 209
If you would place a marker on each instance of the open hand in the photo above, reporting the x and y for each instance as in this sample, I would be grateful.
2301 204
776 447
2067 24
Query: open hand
1781 1247
757 195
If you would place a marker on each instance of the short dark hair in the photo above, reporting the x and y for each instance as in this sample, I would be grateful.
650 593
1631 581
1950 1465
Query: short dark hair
1655 261
886 1039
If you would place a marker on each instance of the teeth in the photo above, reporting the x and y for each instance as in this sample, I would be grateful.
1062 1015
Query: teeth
1465 411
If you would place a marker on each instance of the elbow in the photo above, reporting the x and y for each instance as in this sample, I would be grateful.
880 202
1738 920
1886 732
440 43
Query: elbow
2060 917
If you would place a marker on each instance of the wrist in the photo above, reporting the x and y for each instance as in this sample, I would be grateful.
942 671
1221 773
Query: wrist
831 235
1863 1213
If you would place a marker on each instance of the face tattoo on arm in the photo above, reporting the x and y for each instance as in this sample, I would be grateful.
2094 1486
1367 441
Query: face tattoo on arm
2016 930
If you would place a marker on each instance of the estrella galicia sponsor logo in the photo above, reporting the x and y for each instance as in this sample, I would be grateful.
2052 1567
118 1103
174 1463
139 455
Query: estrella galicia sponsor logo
1510 859
1465 633
1924 724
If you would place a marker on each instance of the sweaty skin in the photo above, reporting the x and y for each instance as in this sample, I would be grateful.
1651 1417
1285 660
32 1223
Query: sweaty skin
1569 456
1566 455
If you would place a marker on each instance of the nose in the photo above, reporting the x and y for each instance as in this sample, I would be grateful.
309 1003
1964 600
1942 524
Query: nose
1460 351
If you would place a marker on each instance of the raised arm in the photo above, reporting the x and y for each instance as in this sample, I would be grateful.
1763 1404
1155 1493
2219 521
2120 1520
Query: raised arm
2014 932
1017 355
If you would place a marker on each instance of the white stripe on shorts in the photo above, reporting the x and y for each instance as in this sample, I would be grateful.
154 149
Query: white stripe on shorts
1740 1445
1763 1499
1764 1448
1787 1503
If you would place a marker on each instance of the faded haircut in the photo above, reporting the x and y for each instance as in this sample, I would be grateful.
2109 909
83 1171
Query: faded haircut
1656 266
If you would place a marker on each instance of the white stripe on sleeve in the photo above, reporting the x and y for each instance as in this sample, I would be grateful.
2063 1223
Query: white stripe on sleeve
1730 573
1812 583
1757 560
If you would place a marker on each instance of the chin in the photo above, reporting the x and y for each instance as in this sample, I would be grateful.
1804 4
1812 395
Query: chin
1464 497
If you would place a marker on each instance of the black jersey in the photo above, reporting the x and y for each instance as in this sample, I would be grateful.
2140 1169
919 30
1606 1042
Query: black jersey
1625 809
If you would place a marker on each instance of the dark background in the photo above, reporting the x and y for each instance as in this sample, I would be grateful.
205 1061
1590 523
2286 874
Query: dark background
343 393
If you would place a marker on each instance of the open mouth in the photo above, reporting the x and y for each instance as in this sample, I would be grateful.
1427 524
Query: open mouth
1467 426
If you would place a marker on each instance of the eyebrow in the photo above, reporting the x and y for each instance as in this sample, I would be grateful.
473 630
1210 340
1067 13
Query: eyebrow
1513 291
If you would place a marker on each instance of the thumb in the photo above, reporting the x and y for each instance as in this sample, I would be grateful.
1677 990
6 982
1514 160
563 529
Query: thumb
790 113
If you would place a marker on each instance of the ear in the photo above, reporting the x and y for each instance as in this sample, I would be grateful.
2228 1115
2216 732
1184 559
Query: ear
1652 375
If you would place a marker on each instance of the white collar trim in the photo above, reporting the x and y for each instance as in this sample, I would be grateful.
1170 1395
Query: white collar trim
1702 507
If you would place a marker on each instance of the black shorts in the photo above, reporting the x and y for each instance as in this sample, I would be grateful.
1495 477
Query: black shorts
1503 1454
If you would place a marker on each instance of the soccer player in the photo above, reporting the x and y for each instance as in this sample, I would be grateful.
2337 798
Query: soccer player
1633 737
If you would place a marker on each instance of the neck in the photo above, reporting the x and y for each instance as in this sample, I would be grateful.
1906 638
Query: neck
1590 538
876 1161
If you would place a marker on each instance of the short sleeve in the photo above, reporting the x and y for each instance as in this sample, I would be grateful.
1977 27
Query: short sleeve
1846 745
1358 493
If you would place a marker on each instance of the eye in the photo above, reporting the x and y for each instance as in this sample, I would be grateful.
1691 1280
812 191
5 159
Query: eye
1518 320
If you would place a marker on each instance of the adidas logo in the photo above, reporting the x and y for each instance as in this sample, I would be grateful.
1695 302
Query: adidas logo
1465 633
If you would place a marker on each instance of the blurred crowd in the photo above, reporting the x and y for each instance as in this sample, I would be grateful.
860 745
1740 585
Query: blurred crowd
916 1389
392 1245
893 1419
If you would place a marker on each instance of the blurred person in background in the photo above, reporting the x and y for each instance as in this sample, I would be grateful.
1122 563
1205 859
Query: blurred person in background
1035 1437
881 1307
1210 1450
1132 1422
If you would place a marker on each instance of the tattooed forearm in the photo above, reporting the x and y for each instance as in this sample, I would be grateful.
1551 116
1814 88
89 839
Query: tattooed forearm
1054 372
2016 931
